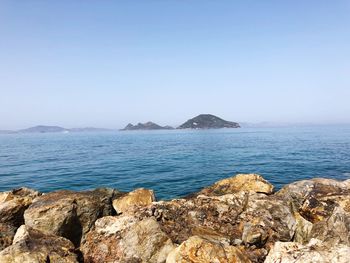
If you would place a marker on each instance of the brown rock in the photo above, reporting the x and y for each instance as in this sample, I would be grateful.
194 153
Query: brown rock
32 246
126 239
239 182
7 232
314 252
136 198
199 250
70 214
14 203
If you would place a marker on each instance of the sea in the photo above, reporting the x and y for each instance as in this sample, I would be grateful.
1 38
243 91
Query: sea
173 163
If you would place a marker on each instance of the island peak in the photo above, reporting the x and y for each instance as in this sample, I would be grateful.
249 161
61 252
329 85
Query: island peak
208 121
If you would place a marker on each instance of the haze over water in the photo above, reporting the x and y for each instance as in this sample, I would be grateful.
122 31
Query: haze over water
173 163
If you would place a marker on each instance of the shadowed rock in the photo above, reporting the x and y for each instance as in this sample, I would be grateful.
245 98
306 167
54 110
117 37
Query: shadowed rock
14 203
70 214
33 246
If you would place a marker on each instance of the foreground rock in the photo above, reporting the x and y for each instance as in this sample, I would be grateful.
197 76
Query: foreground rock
245 218
14 203
239 182
197 249
137 198
33 246
70 214
314 252
126 239
239 219
7 233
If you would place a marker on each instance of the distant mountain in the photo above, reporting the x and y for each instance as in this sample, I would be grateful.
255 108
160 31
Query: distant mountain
208 121
43 129
146 126
6 132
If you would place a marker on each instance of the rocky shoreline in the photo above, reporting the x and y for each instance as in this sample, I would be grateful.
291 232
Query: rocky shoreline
238 219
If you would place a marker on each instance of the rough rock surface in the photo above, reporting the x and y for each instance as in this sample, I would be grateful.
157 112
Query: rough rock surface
199 250
138 197
239 219
70 214
239 182
126 239
33 246
314 252
247 218
14 203
7 232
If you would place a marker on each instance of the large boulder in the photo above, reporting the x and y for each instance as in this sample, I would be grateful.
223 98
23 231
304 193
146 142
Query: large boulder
70 214
14 203
314 252
33 246
126 239
200 250
134 199
239 182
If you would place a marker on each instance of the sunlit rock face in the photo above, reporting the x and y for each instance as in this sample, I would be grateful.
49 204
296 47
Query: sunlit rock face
238 219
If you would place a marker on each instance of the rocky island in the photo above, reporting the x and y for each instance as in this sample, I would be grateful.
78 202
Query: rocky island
208 121
238 219
146 126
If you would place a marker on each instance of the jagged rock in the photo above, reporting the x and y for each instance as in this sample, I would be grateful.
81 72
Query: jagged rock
14 203
138 197
303 229
239 182
315 198
200 250
7 232
335 230
254 220
70 214
33 246
126 239
314 252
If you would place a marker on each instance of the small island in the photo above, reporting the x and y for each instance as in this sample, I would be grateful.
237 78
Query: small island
208 121
146 126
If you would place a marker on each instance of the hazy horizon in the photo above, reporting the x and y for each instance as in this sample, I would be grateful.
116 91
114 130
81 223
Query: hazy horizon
107 64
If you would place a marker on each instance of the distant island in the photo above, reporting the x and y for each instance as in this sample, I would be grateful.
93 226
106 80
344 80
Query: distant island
146 126
208 121
54 129
202 121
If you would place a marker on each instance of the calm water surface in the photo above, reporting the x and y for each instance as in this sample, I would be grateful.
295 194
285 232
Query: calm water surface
173 163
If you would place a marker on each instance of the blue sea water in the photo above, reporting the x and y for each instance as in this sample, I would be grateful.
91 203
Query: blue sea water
173 163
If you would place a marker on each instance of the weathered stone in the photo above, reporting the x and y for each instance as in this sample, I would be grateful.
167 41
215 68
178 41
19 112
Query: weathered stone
126 239
314 252
335 230
7 232
303 229
14 203
256 220
33 246
314 199
200 250
136 198
70 214
239 182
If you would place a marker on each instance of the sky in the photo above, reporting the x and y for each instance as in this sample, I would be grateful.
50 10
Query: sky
108 63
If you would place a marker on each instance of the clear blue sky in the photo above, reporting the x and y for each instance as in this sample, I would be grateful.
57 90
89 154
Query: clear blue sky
107 63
